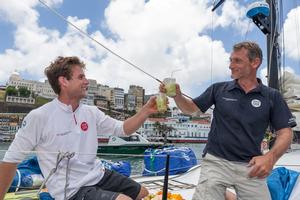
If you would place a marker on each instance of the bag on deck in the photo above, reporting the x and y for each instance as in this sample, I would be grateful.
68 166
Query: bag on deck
122 167
28 175
181 160
281 183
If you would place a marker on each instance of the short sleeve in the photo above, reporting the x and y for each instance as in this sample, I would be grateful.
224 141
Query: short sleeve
281 116
206 99
26 138
107 125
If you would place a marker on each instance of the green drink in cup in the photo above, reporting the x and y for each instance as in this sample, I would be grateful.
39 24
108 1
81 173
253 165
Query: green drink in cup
161 102
170 85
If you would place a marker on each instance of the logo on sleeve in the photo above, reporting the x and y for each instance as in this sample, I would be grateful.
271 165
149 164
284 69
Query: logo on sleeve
84 126
23 123
256 103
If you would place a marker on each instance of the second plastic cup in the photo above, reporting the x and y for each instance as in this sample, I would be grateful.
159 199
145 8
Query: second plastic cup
161 102
170 85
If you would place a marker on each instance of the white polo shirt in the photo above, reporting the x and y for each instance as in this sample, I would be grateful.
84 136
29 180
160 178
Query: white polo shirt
53 128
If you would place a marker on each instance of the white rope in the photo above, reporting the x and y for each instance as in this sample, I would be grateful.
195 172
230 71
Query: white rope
19 180
60 157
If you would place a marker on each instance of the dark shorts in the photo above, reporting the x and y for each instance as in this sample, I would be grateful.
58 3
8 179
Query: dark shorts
109 187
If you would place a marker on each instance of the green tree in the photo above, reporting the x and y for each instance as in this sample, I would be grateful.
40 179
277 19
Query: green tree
24 92
11 91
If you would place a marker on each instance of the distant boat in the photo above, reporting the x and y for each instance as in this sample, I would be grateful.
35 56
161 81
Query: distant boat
133 144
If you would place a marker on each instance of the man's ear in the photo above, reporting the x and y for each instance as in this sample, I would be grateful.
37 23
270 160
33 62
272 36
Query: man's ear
62 81
256 63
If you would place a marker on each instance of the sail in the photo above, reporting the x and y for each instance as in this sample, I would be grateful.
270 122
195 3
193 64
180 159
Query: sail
291 93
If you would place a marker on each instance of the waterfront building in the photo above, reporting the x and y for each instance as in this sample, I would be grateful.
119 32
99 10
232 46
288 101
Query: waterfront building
9 125
180 130
25 100
39 88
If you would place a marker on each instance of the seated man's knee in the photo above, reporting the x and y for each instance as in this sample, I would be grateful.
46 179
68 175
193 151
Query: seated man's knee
123 197
143 193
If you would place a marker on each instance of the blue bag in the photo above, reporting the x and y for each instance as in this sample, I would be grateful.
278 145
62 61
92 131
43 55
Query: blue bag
27 173
181 160
122 167
281 183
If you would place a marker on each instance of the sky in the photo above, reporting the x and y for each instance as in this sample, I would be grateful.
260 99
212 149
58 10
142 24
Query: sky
182 38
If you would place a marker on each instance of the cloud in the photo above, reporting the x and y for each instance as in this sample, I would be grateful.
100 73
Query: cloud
292 32
233 16
158 36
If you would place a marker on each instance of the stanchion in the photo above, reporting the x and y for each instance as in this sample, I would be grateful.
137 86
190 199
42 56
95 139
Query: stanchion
166 179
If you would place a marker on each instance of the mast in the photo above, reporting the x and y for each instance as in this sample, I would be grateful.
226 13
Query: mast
264 15
273 51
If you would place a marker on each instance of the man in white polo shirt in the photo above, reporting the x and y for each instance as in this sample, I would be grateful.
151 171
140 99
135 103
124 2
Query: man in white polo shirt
67 126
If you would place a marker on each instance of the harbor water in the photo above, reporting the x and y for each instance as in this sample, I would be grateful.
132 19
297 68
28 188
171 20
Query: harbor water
137 162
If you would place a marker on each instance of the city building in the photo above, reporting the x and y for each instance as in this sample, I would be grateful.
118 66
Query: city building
101 101
38 88
139 94
129 102
114 97
118 98
93 87
104 90
25 100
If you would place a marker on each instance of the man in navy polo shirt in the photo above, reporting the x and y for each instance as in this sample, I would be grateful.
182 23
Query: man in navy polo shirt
243 110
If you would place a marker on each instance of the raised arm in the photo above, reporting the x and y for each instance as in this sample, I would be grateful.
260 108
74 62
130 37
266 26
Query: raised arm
7 173
186 105
133 123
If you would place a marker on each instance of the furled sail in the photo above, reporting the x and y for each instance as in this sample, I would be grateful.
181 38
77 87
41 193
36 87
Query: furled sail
291 93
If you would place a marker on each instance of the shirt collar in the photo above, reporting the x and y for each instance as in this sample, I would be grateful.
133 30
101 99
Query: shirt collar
261 88
65 107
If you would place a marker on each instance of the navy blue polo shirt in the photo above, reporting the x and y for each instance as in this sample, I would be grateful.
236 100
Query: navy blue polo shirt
240 120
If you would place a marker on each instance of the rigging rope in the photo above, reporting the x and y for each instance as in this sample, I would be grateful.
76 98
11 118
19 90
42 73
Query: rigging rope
102 45
247 31
282 52
99 43
212 44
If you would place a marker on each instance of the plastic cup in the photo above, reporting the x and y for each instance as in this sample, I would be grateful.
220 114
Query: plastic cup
170 85
161 102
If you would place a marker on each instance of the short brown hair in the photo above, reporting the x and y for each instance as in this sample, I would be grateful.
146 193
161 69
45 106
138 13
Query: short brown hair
62 66
254 51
